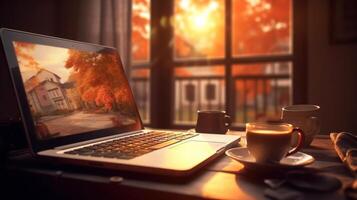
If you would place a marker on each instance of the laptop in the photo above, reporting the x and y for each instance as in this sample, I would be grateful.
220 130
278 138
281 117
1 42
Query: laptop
77 107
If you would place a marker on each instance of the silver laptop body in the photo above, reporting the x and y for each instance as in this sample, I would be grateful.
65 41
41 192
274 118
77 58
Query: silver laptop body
74 96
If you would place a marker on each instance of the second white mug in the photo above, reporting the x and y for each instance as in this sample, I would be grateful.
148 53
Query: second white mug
304 116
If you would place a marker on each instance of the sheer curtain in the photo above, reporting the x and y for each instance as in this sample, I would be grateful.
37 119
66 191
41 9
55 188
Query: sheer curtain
106 22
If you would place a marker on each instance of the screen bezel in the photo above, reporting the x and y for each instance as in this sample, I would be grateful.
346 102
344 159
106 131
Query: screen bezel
8 36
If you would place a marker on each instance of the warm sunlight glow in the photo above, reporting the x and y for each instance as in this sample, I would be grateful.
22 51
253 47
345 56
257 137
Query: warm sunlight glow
184 153
258 28
203 20
199 28
200 21
184 4
253 2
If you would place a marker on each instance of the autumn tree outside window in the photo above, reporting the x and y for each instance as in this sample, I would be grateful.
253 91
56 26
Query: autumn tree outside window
234 55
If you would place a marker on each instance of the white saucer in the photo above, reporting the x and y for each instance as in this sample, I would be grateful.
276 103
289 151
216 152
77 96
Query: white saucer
242 155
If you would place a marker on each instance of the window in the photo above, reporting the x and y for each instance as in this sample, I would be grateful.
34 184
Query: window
140 56
233 55
60 104
54 92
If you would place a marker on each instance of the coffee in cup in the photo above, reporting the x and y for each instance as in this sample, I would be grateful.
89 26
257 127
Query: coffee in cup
212 121
271 142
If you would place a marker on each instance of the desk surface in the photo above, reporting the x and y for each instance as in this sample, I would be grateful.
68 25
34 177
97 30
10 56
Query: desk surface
222 179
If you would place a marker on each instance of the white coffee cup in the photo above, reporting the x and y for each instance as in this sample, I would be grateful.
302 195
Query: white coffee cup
305 117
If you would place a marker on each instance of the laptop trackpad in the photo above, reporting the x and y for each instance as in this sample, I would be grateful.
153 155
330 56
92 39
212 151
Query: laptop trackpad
186 155
198 147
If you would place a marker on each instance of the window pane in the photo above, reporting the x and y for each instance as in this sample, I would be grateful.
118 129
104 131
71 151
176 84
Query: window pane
261 27
140 34
198 88
199 28
140 84
261 90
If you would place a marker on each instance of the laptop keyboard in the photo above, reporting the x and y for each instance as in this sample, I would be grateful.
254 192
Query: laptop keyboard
132 146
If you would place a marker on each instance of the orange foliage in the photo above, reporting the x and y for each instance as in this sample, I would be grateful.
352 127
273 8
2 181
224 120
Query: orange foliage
89 94
99 79
140 73
20 50
25 45
261 27
105 96
183 72
141 30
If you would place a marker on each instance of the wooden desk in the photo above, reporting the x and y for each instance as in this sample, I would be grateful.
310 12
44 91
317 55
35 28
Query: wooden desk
222 179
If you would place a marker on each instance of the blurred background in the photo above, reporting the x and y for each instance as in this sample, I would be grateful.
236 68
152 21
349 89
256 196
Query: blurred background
248 57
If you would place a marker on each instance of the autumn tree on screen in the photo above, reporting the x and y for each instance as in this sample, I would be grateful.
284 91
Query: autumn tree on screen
99 79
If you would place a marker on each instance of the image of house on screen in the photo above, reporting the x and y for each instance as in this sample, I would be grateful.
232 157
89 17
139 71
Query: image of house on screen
46 94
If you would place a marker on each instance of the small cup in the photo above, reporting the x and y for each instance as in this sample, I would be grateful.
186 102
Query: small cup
271 142
305 117
212 122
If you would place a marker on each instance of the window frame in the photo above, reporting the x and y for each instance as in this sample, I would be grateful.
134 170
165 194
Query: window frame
162 62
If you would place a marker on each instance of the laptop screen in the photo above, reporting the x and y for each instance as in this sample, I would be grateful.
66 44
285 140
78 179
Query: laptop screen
71 91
